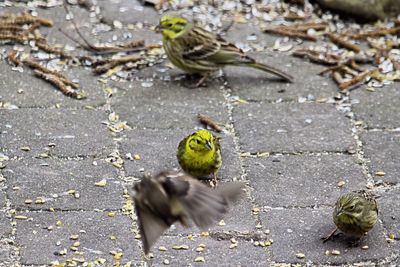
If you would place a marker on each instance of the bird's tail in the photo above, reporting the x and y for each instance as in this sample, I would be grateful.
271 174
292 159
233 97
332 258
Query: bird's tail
269 69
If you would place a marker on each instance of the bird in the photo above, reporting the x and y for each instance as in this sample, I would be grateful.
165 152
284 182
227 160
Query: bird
198 51
172 196
199 154
355 214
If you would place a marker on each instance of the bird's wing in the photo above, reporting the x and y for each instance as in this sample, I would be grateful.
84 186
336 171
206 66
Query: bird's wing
151 227
203 205
199 44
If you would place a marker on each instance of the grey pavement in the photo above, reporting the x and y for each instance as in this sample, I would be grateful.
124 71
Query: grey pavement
66 165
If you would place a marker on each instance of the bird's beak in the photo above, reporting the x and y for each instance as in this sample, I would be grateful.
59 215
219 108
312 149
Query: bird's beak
340 212
209 146
158 28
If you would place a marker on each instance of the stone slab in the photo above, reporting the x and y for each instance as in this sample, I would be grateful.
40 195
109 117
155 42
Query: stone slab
300 231
255 85
291 127
157 149
128 12
379 109
216 253
389 207
38 245
54 181
72 132
5 225
302 180
167 105
37 93
383 151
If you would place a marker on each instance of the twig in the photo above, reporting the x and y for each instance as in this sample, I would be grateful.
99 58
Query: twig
381 32
356 79
291 33
65 89
343 43
12 57
209 122
318 57
36 66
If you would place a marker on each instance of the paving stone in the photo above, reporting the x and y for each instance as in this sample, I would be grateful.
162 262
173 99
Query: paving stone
5 226
157 150
39 245
2 196
254 85
216 253
291 127
72 133
239 219
5 255
168 105
285 181
389 207
39 93
378 109
300 231
59 177
243 35
127 12
383 151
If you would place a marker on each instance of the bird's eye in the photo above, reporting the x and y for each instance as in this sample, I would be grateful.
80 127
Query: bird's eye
352 207
198 141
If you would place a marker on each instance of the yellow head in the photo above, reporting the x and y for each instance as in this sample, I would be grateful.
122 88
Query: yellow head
173 26
201 141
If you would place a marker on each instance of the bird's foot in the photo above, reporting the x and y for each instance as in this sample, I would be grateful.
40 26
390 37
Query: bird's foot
330 236
201 81
214 181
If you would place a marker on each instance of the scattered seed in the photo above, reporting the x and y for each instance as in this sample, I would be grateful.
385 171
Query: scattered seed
102 183
199 249
233 245
21 217
380 173
166 262
180 247
335 252
162 248
341 183
199 259
300 255
364 247
59 223
25 148
111 214
74 237
113 237
222 223
136 157
204 234
391 236
28 201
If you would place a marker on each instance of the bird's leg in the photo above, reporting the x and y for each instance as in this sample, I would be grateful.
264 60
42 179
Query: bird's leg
214 181
201 81
330 236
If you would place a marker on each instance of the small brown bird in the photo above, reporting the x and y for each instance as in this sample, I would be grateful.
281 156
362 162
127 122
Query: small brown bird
172 196
355 214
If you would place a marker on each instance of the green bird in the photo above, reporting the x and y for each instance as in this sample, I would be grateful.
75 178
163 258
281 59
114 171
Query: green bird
355 214
199 154
198 51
